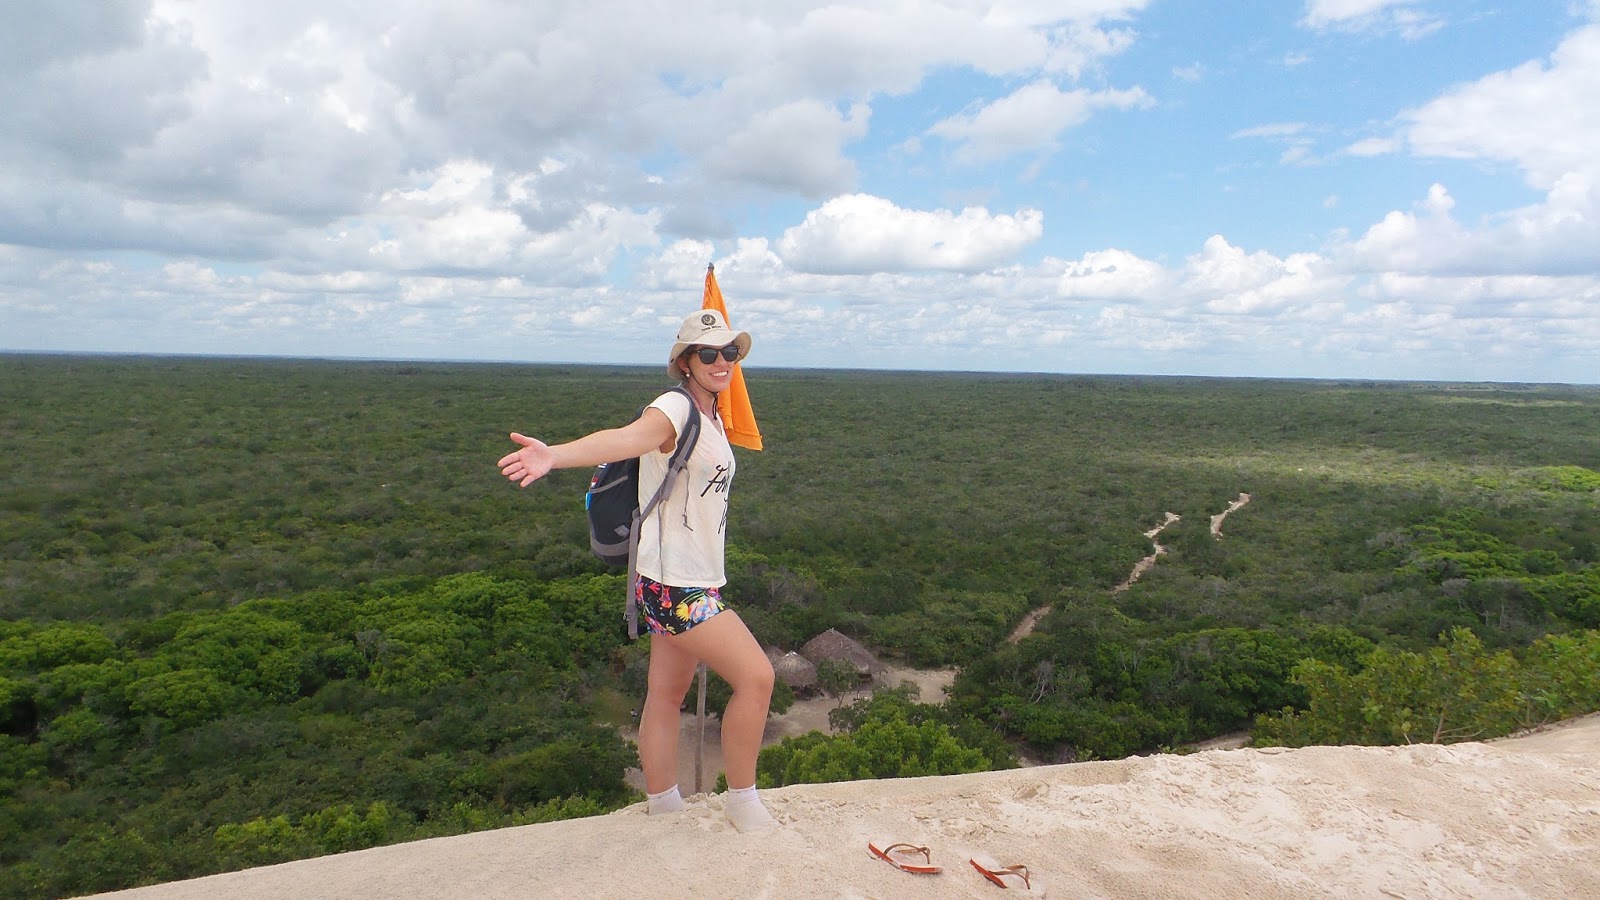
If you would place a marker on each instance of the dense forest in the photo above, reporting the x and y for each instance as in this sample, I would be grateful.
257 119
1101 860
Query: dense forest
254 610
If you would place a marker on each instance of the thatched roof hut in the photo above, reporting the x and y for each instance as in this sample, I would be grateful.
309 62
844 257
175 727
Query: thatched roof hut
832 645
796 671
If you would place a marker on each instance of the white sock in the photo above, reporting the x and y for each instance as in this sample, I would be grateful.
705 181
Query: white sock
744 809
668 801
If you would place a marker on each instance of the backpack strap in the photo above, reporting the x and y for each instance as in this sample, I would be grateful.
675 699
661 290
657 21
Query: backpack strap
676 464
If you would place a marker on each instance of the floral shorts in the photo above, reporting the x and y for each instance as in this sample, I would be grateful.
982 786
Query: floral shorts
674 610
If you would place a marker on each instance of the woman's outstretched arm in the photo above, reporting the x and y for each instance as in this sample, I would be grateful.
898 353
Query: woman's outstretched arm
535 459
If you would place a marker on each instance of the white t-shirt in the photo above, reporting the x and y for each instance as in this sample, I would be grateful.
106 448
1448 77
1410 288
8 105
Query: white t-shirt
680 543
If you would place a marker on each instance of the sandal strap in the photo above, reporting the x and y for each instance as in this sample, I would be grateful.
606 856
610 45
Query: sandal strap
1017 870
995 874
910 848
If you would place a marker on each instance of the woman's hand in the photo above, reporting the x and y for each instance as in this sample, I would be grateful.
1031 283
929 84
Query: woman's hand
530 463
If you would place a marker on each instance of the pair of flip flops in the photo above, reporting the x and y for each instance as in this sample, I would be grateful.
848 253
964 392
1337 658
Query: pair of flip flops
904 857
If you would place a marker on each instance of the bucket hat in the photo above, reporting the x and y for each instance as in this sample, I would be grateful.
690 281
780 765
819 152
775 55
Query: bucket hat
705 327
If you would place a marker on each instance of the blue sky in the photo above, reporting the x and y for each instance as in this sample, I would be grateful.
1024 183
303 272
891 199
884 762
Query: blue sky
1396 189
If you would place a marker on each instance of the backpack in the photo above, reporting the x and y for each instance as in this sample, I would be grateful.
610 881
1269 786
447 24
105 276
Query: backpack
612 504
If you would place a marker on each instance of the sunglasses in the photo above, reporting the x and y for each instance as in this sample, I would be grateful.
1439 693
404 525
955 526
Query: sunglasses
708 355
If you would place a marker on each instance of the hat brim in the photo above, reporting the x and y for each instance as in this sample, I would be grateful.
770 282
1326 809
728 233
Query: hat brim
719 338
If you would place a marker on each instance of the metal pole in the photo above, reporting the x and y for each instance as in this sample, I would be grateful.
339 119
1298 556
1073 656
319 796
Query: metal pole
700 716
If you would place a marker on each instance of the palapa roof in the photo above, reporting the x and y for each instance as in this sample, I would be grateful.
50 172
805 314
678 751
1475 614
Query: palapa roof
832 645
795 670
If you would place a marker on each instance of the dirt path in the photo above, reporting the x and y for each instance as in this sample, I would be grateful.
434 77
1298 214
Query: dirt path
1143 565
1216 520
1025 627
1031 620
804 717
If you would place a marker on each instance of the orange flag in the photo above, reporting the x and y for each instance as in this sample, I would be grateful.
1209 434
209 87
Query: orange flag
733 404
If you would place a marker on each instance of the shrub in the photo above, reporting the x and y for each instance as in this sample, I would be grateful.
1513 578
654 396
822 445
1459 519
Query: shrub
1456 691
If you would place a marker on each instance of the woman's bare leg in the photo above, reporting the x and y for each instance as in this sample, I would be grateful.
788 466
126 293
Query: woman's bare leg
671 672
725 645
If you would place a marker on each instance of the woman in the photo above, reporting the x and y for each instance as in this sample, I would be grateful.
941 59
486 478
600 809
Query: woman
680 563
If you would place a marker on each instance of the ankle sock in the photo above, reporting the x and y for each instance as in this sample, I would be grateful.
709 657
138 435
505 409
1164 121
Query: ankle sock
668 801
745 810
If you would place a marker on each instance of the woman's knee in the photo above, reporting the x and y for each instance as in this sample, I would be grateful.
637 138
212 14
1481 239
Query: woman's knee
665 698
757 679
668 687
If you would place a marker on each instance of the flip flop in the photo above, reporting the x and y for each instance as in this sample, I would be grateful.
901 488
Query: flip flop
998 873
903 850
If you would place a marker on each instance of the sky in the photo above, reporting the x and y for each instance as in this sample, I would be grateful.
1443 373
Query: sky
1368 189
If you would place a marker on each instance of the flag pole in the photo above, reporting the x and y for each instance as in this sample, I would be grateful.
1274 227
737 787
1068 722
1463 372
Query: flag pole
739 419
700 716
700 703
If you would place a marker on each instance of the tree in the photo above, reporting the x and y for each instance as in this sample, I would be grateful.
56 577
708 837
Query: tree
1455 691
838 677
244 647
884 747
564 768
183 697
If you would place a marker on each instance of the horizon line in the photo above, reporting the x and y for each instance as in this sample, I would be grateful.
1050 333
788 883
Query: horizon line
270 357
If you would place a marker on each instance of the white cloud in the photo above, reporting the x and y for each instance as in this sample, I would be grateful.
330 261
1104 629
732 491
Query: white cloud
1518 298
1115 275
1293 136
122 80
1397 16
795 148
1542 118
1148 331
1558 236
1221 279
1271 130
1229 280
1077 47
1537 117
1047 12
861 234
1372 147
679 266
462 217
1029 119
1321 13
751 263
857 48
298 114
1073 32
1227 302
